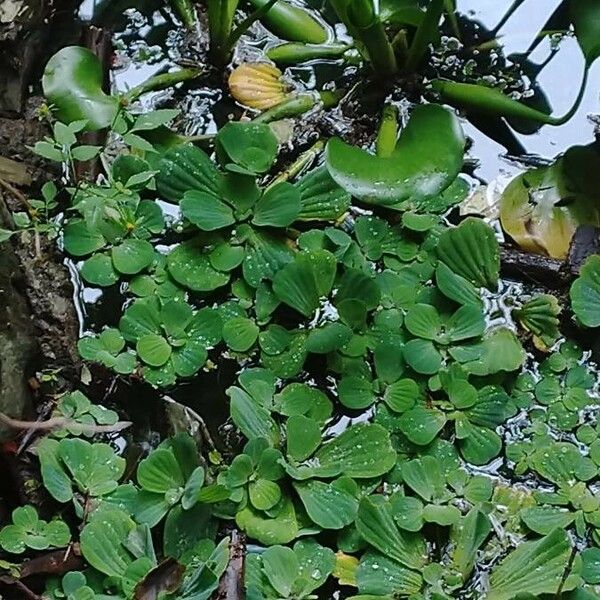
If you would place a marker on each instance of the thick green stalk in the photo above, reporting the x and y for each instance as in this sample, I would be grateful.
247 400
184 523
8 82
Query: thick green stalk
387 135
243 27
186 12
220 23
372 34
292 23
491 101
424 35
298 105
305 159
450 7
294 53
162 81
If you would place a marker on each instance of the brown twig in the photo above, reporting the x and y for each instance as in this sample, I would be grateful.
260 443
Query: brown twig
61 423
231 586
17 194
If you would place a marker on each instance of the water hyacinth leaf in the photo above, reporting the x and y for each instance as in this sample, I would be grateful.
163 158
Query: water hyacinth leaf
421 425
190 266
292 22
590 570
423 321
407 512
205 211
585 293
72 82
586 19
251 146
480 445
536 567
278 207
540 317
240 334
266 254
379 576
472 251
361 452
426 160
376 525
328 505
303 282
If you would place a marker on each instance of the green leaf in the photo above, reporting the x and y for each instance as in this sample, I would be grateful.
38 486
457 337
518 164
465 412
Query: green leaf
585 293
302 283
240 334
132 256
468 536
472 251
205 211
321 198
426 160
303 437
160 472
545 519
407 512
103 542
281 529
80 240
540 316
154 350
72 82
251 146
421 425
402 395
356 392
330 337
591 565
278 207
281 567
380 577
534 568
84 152
183 168
377 526
328 505
264 494
190 266
253 420
99 270
361 452
586 18
422 356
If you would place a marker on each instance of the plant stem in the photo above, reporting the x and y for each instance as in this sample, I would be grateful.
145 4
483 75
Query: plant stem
298 105
423 36
305 159
186 12
160 82
451 12
580 96
372 34
239 31
388 132
511 11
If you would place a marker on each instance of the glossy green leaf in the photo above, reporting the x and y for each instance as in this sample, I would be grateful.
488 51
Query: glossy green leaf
585 293
328 505
205 211
586 18
278 207
72 82
472 251
427 159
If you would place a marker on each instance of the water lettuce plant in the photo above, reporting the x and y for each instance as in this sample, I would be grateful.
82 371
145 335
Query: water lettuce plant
385 396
